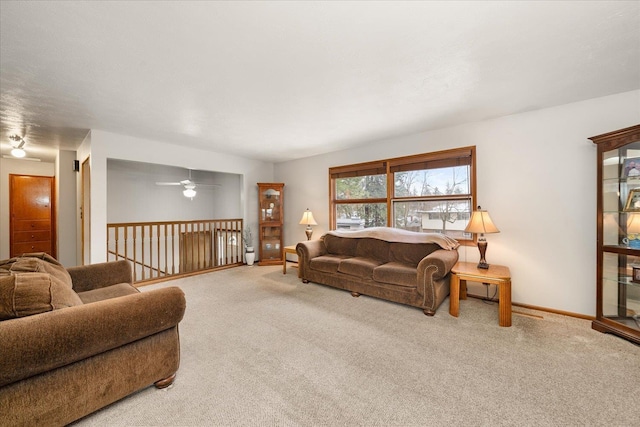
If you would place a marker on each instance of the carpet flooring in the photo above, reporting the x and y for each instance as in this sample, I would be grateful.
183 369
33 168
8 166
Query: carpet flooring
259 348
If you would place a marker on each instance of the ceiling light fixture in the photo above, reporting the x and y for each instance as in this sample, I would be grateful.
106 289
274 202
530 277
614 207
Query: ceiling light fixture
17 143
189 191
18 152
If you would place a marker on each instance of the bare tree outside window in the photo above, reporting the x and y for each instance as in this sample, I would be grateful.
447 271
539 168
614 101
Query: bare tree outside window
425 186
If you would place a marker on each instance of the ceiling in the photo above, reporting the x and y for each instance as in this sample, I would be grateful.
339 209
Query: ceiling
283 80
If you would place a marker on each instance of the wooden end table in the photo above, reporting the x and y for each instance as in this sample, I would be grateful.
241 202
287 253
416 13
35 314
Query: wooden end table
287 250
498 275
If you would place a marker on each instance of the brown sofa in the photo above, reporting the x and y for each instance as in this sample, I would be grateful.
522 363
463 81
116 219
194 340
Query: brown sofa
393 264
73 341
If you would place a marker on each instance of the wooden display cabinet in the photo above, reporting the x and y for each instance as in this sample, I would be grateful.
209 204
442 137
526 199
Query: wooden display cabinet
271 220
618 234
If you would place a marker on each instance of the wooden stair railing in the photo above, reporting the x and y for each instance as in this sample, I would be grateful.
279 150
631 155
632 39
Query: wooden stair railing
167 249
133 261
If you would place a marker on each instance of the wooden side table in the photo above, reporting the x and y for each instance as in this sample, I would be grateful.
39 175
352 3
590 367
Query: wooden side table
287 250
496 275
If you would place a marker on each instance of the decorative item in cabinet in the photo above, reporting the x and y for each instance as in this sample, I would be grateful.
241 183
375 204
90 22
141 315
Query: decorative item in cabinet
636 273
618 233
271 220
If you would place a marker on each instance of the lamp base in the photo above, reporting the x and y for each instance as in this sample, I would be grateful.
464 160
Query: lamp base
308 231
483 265
482 247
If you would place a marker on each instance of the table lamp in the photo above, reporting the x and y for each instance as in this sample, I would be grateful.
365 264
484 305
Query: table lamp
480 222
307 219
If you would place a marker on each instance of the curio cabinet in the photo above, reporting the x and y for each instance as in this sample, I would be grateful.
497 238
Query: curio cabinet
618 234
271 219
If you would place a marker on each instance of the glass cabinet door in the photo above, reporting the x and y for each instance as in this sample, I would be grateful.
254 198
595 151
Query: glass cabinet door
270 205
270 243
271 217
621 289
618 286
621 197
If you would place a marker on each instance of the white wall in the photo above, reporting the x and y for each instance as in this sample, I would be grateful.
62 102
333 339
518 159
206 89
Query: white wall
536 176
106 145
66 207
18 167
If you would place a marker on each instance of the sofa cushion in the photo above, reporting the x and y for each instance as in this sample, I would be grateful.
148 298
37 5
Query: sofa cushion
340 246
410 253
373 248
327 263
26 294
113 291
396 273
359 267
38 262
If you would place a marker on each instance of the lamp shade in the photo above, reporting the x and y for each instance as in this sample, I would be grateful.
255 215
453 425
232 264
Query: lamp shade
633 223
307 218
481 223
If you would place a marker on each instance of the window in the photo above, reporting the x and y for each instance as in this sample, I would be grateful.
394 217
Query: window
359 196
432 192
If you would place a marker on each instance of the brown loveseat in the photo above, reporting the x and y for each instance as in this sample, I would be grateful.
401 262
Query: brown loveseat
393 264
73 341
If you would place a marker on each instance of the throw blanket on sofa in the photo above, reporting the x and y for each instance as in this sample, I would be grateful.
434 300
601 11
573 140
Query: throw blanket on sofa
399 235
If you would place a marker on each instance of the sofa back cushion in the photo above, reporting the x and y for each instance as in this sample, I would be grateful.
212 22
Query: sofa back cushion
32 284
38 262
410 253
340 246
26 294
373 248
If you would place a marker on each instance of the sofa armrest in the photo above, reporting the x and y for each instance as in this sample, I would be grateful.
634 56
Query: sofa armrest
307 251
311 249
431 269
443 260
36 344
93 276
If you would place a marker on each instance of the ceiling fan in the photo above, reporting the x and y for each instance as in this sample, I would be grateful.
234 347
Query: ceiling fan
189 186
17 149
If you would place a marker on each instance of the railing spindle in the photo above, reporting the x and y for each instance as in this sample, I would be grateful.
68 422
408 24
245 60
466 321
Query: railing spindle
173 250
133 248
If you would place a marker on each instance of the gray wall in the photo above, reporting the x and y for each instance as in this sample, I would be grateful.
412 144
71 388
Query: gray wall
66 207
133 196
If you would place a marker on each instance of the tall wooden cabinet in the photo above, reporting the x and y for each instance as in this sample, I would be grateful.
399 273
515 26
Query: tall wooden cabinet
618 238
271 219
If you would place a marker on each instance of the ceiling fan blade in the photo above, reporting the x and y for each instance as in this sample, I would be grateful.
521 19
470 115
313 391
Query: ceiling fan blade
32 159
168 183
207 185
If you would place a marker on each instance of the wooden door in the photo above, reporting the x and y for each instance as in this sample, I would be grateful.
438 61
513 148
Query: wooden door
85 212
31 219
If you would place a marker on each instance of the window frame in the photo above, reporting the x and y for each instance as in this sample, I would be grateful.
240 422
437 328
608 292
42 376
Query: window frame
438 159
